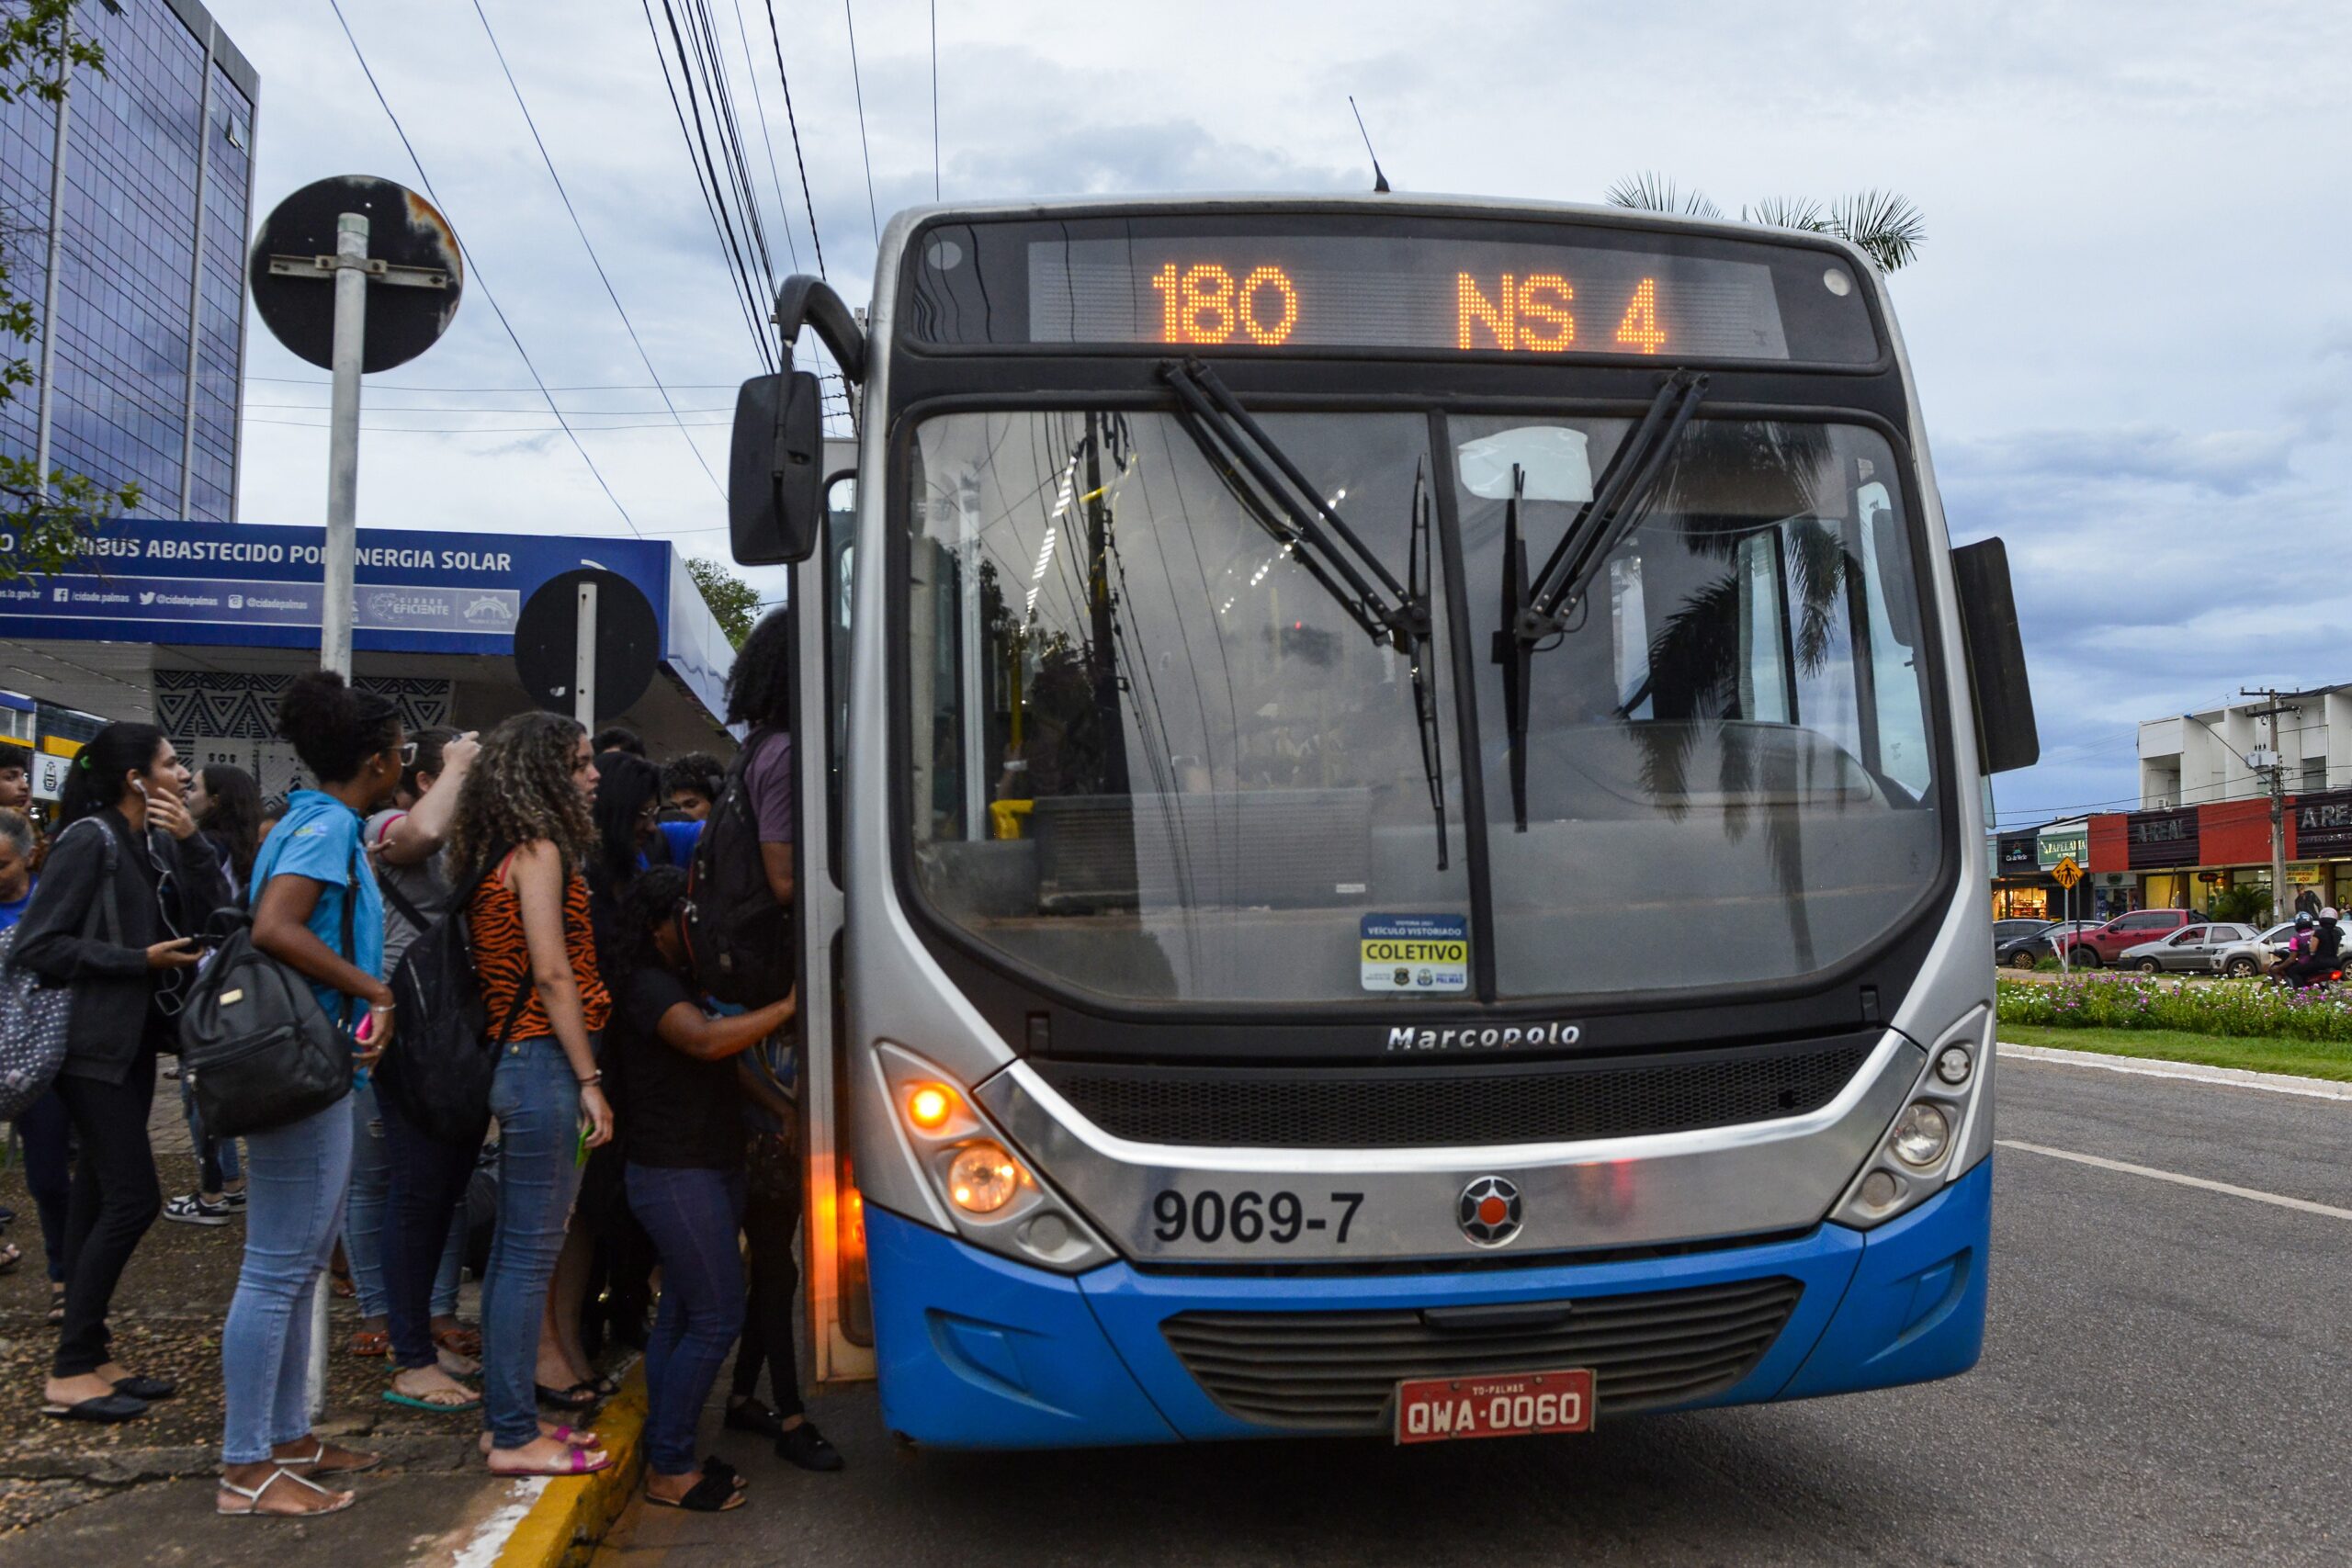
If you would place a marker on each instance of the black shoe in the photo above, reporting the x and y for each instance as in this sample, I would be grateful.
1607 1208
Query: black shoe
106 1409
147 1389
750 1415
806 1447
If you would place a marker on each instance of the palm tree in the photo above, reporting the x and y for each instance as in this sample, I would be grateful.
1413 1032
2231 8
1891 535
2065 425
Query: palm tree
1883 225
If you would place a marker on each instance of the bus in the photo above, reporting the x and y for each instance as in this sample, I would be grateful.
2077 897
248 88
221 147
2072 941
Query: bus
1391 793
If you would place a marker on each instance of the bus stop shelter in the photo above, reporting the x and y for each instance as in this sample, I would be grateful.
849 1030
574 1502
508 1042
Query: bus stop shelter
197 626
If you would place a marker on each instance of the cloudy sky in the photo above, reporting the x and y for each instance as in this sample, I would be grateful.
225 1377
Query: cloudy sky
2132 322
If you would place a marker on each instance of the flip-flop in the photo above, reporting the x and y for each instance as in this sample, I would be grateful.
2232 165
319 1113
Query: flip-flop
578 1396
316 1466
465 1342
711 1495
10 1256
437 1406
575 1463
371 1342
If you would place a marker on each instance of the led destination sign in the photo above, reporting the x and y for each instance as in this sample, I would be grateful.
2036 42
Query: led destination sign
1367 292
1417 285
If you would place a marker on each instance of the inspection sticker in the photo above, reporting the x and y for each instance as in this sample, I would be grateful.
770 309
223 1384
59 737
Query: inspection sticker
1417 953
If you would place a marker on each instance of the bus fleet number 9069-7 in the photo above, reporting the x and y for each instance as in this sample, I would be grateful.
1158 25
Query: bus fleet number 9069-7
1250 1218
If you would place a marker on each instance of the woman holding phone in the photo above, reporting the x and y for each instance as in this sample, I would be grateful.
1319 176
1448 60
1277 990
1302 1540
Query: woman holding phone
524 831
317 909
126 882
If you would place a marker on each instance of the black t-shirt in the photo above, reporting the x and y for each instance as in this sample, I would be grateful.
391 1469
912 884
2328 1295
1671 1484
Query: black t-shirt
674 1111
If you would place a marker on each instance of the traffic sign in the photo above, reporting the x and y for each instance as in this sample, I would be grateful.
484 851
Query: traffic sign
614 663
2066 872
410 261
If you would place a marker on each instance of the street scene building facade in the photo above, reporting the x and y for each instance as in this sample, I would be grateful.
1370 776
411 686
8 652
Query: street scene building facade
151 324
2206 782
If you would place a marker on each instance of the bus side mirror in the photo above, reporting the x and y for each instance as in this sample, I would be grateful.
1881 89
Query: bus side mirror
2006 737
775 492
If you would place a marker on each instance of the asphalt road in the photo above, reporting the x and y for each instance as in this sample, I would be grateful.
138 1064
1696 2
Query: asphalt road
2165 1381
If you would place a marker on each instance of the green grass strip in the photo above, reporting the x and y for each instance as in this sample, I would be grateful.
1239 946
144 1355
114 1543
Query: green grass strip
2302 1058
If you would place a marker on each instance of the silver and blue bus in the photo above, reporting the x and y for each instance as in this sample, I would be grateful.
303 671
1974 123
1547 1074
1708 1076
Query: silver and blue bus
1391 803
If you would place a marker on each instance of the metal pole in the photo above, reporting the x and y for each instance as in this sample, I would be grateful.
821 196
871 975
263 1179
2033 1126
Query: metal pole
583 660
46 416
196 282
2278 900
343 442
314 1375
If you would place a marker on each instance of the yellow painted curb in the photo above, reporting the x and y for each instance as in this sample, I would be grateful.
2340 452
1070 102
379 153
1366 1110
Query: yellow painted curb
571 1516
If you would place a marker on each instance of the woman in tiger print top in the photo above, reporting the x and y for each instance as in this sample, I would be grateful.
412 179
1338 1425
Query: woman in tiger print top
523 815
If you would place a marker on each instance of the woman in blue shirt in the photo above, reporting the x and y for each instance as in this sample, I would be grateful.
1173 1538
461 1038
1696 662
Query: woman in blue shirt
316 910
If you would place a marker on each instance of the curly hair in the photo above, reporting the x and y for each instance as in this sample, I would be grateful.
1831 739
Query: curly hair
335 729
758 688
520 791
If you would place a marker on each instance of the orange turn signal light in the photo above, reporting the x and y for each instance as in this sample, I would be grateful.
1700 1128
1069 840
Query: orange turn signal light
930 1106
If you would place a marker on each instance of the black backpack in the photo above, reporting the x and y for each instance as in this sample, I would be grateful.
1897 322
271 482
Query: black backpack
443 1056
739 937
256 1050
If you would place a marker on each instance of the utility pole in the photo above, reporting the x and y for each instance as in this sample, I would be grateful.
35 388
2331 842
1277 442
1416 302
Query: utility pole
2275 703
45 417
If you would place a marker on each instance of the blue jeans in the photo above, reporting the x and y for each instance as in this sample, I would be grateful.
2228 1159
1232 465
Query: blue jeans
535 1096
694 1217
426 1200
216 1158
295 1178
47 1134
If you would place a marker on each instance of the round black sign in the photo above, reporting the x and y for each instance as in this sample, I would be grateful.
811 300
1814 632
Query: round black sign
406 233
547 642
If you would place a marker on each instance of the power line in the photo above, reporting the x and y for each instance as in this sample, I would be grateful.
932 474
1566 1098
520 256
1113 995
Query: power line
776 38
872 211
593 260
473 267
706 174
767 137
489 429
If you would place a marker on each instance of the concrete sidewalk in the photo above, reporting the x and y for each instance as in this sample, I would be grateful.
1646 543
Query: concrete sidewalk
141 1494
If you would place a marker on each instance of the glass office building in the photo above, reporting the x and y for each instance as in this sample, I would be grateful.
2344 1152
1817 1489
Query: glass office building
151 325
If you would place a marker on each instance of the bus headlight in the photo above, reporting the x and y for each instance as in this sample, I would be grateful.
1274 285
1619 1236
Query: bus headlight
982 1177
1921 1135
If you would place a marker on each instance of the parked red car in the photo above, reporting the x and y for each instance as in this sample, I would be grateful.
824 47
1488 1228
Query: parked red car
2104 944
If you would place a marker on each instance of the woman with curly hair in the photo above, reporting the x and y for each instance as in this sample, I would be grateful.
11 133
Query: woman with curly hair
522 817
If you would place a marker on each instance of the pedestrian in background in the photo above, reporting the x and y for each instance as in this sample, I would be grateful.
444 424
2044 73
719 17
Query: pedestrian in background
317 909
692 783
226 803
401 1232
127 882
16 778
684 1177
523 816
43 1131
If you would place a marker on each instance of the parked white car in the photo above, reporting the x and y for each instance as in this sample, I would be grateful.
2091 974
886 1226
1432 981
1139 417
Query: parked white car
2262 954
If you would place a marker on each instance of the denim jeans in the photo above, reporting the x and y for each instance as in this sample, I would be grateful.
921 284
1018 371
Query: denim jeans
363 1216
216 1158
47 1134
535 1096
295 1178
693 1216
424 1231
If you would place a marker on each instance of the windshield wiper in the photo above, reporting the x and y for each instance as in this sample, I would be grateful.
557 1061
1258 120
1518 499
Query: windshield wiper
1537 607
1287 506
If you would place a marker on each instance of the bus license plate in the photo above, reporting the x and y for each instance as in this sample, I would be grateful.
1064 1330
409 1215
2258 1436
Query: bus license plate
1514 1405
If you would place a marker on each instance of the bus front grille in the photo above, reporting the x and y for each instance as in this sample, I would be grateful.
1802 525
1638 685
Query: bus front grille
1336 1371
1460 1105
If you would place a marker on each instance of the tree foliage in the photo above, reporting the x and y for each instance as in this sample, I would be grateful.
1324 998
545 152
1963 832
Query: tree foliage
1882 224
735 603
48 514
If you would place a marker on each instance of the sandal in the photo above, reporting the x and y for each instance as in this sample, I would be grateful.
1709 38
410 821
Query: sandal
340 1283
10 1256
576 1461
56 1302
570 1437
440 1402
711 1495
578 1396
354 1462
371 1342
253 1508
465 1342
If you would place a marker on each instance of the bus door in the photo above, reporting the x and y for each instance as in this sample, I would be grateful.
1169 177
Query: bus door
840 1319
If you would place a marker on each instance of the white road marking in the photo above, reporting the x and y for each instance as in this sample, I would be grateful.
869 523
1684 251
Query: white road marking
482 1550
2188 1072
2278 1200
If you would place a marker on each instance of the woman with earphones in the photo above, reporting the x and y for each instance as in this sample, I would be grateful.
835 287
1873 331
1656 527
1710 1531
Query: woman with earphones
127 886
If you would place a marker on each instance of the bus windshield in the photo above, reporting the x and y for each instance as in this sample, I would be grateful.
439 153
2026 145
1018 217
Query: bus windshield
1158 755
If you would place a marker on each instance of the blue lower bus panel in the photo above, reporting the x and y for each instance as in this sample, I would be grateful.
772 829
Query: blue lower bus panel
976 1351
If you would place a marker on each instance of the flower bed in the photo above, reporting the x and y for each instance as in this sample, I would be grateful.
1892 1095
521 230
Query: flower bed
2251 1008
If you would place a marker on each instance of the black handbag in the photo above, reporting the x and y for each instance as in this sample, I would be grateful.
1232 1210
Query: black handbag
257 1050
438 1070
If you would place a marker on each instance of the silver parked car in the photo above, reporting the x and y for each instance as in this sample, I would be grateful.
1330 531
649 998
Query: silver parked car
2263 953
2192 948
